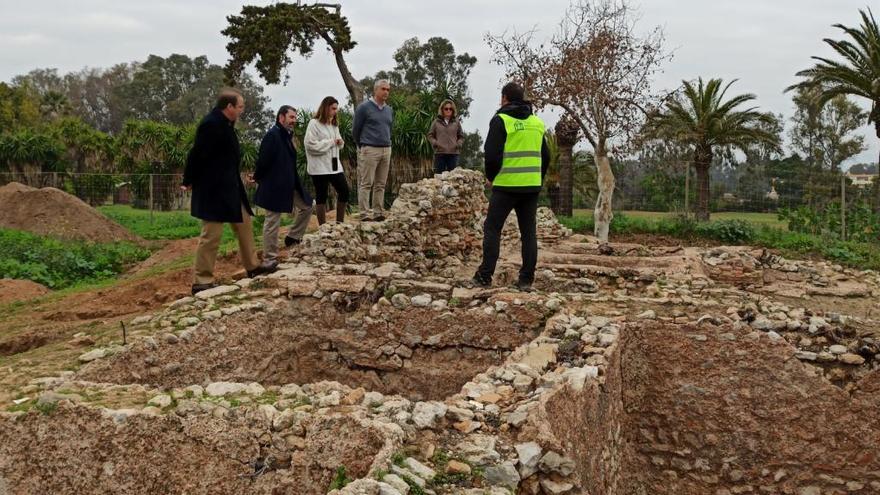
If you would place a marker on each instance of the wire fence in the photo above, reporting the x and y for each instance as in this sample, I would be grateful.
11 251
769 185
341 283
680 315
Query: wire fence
833 209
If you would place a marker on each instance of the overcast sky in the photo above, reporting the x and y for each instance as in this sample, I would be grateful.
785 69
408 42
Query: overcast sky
762 43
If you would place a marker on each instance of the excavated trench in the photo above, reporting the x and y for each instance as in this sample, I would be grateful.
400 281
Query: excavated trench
419 353
688 411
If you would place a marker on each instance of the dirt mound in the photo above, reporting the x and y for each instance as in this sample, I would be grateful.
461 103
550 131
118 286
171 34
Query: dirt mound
12 290
53 212
172 251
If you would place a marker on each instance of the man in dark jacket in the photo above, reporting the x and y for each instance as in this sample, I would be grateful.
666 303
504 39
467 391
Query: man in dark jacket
218 195
280 189
516 160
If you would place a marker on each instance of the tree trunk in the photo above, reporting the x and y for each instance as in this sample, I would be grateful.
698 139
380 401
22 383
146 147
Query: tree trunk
566 138
702 162
351 84
553 193
602 216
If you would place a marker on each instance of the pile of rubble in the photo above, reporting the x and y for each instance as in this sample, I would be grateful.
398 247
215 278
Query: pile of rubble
434 225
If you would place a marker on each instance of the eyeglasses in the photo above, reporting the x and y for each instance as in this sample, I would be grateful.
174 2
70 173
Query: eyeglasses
447 108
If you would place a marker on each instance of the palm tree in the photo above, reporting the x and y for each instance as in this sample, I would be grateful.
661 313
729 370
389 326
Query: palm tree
857 74
702 120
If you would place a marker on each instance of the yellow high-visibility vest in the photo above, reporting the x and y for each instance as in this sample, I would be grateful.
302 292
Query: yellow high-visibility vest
521 164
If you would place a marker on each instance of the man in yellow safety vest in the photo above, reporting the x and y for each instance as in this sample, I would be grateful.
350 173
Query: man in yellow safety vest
516 159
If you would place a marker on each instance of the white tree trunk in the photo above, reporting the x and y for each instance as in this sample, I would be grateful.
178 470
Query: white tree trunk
602 215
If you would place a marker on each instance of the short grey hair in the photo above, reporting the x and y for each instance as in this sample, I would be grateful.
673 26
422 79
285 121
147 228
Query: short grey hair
380 82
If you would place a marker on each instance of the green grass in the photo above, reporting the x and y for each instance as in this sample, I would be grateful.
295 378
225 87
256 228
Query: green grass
169 225
739 230
161 225
769 219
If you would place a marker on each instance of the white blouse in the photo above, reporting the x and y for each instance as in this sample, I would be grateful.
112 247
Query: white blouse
321 148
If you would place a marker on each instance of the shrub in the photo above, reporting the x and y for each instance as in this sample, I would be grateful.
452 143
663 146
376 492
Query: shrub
58 264
727 231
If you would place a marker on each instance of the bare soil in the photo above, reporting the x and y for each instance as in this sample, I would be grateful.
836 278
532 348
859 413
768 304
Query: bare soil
55 213
12 290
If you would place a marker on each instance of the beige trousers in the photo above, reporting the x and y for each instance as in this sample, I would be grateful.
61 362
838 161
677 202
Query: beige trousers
373 166
302 213
209 242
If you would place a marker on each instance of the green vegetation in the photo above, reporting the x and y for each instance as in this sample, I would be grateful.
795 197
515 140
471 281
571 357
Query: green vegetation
859 255
340 480
58 264
159 225
46 408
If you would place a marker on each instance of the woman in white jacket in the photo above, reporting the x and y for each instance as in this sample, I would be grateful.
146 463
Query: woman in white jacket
323 142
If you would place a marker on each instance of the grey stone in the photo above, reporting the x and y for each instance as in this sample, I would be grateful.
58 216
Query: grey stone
419 469
217 291
141 319
647 315
427 414
397 482
421 301
555 463
160 401
837 349
93 355
479 450
400 301
529 455
504 474
222 389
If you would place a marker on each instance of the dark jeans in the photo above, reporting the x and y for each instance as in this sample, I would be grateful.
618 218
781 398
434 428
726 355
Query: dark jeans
339 184
445 163
526 207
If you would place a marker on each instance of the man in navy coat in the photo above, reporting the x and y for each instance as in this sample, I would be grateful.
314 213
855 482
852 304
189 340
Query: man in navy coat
280 188
218 196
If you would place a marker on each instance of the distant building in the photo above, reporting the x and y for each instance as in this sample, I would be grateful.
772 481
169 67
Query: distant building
861 180
862 174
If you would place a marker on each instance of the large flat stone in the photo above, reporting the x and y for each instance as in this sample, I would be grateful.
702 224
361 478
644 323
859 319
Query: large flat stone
217 291
343 283
540 356
301 285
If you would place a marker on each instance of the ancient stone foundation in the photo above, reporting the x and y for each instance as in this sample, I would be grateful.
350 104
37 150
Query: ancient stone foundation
365 366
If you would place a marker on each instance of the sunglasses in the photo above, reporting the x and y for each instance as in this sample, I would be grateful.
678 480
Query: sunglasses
447 108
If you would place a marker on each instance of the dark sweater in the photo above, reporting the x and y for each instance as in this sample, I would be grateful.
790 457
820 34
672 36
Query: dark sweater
493 150
372 126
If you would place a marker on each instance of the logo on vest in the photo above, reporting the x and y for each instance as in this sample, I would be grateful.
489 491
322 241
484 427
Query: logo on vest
519 126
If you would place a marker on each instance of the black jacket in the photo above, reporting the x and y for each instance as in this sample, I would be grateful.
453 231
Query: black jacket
493 150
276 172
212 169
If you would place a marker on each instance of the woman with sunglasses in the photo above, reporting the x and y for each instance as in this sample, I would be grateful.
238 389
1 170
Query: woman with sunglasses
446 137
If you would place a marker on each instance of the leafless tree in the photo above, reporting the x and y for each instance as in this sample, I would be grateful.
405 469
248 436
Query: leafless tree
599 71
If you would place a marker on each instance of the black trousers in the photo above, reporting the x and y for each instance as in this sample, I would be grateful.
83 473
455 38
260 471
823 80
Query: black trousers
500 205
338 182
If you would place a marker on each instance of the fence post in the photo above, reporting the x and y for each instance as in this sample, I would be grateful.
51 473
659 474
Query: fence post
687 188
843 207
151 198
